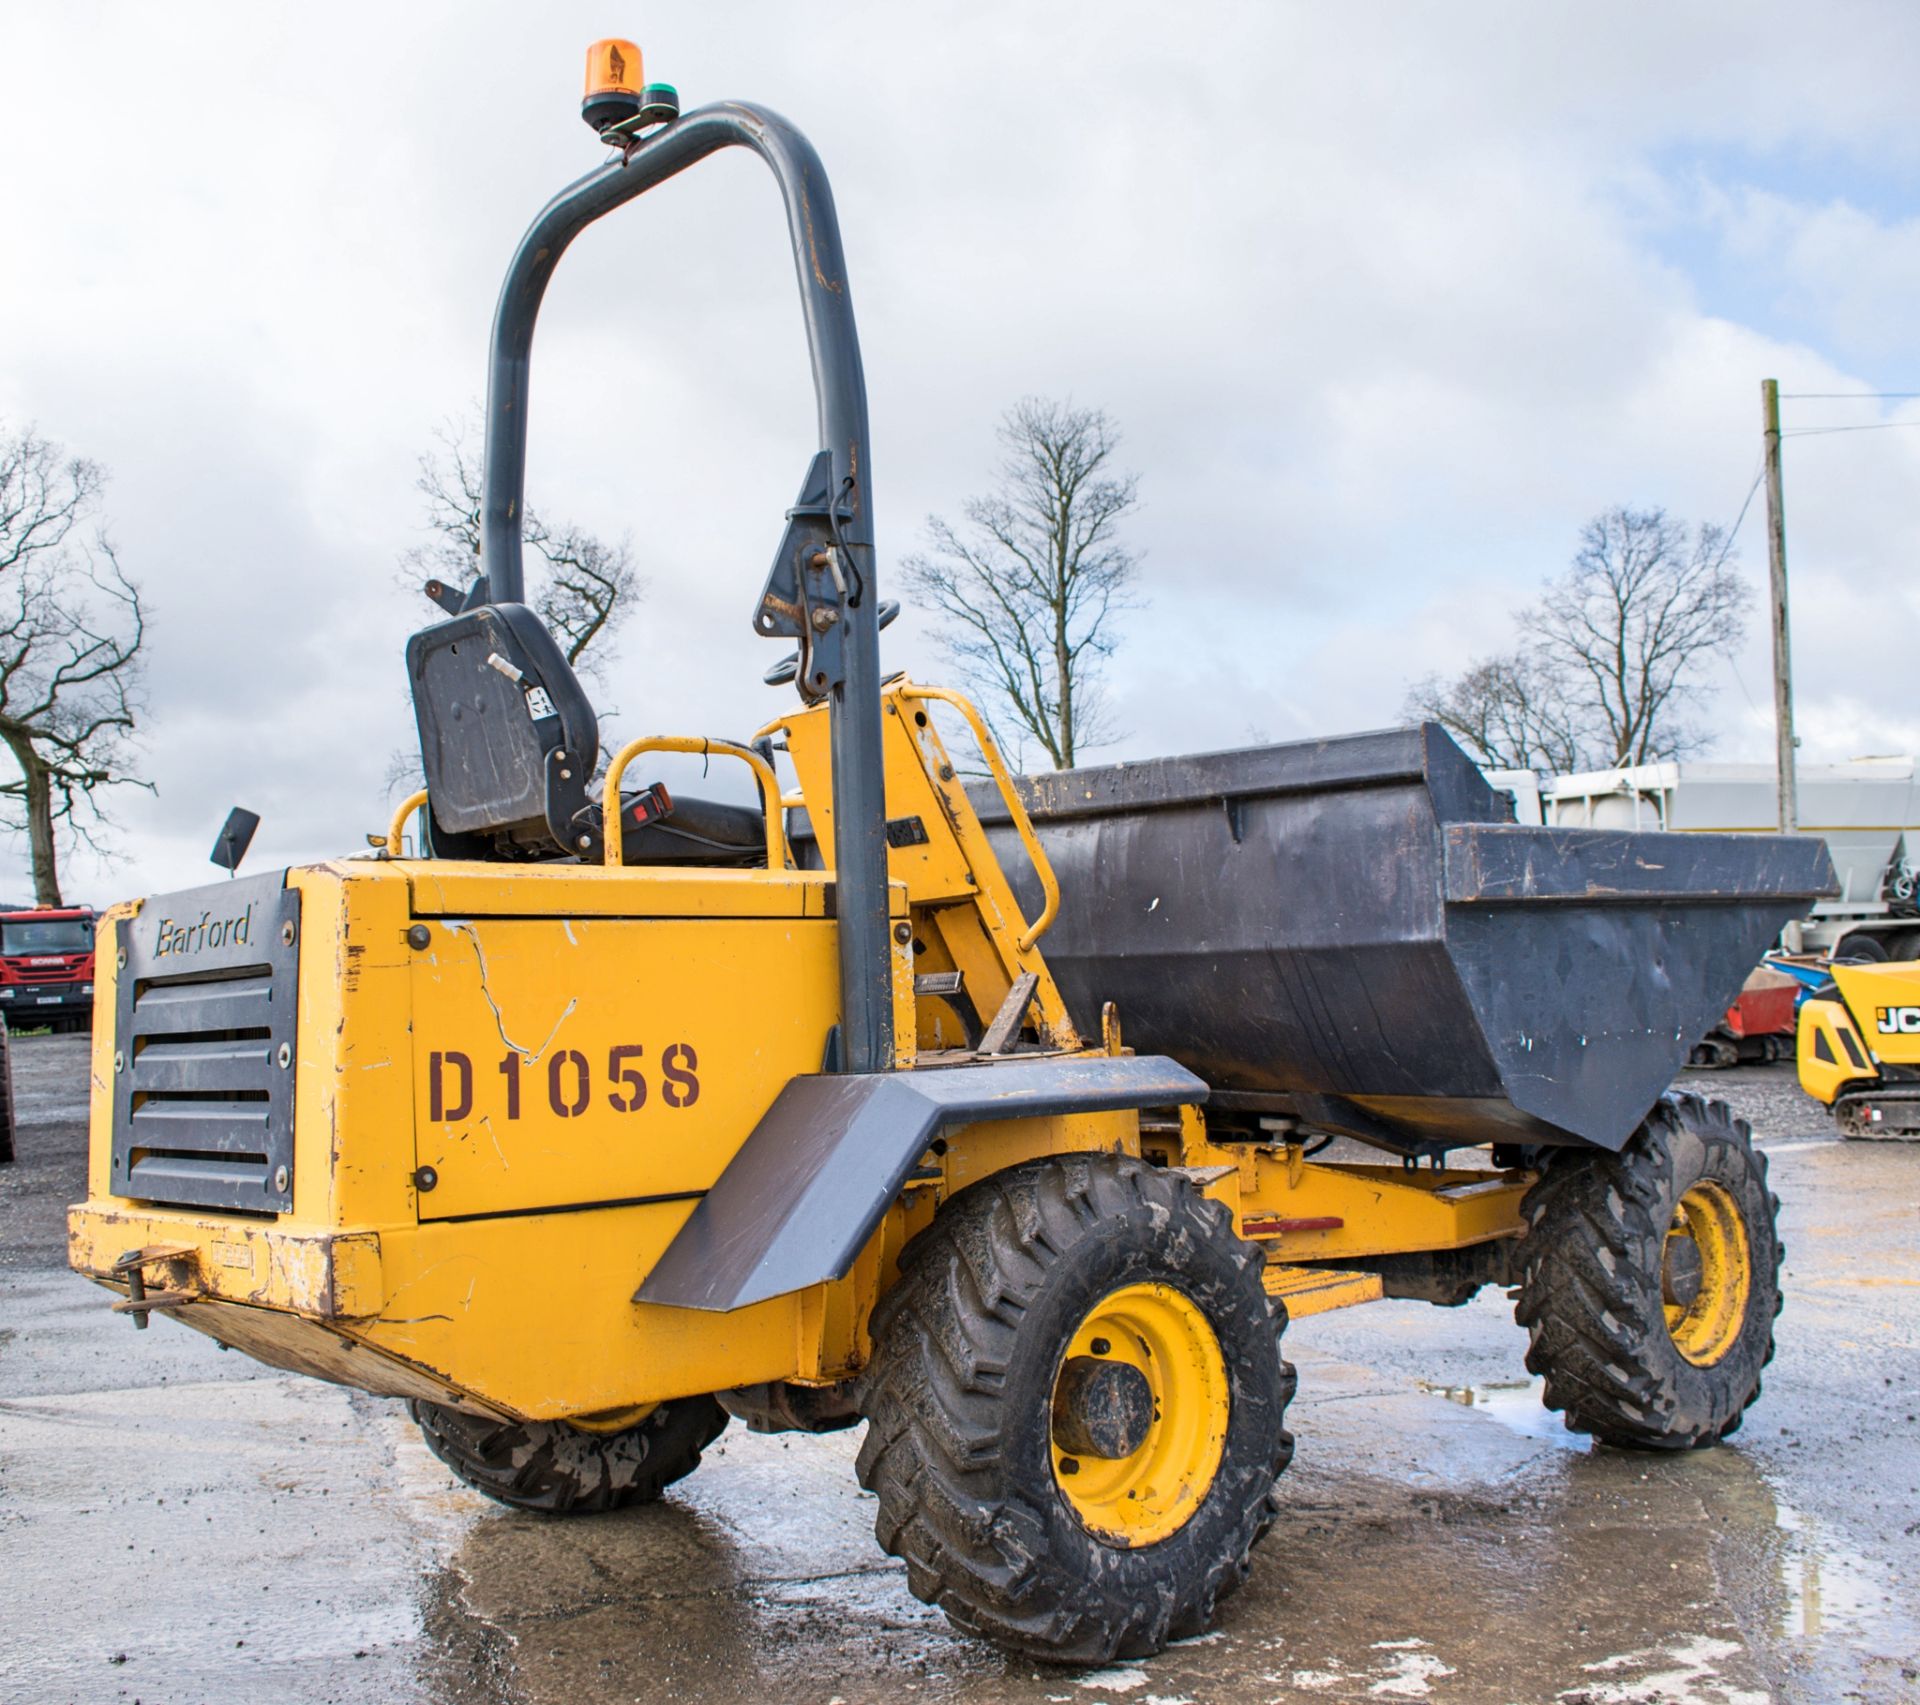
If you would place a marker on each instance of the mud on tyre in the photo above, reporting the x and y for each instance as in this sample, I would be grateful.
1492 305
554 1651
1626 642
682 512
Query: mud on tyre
1650 1279
1076 1409
560 1469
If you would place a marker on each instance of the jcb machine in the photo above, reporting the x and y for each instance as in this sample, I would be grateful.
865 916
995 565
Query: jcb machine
610 1117
1859 1048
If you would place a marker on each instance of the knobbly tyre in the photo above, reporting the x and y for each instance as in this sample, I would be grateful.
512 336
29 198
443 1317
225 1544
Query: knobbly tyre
610 1116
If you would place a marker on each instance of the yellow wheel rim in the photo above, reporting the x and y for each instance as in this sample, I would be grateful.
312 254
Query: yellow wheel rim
1706 1274
1149 1493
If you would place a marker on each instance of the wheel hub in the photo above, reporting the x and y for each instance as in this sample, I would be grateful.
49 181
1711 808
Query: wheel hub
1101 1408
1680 1272
1706 1276
1138 1421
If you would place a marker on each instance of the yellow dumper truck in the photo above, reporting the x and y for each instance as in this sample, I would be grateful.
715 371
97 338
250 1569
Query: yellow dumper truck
602 1118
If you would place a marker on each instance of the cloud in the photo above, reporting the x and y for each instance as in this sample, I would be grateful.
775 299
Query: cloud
1386 300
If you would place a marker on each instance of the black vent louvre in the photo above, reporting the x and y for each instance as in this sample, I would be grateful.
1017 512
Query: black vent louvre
204 1032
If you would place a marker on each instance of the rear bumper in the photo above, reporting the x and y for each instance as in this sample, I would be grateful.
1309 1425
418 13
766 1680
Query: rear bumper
326 1276
290 1300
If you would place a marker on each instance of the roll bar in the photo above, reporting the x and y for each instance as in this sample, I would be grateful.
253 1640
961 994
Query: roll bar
840 394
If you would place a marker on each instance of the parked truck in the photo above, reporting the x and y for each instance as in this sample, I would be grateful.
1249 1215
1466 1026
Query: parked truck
46 967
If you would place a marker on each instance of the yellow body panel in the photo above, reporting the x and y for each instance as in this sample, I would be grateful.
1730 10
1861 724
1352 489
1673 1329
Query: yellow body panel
604 1060
1885 1003
1830 1051
1380 1210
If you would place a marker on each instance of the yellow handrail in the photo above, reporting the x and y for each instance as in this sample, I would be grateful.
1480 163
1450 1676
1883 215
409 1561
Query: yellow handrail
777 858
396 830
1022 823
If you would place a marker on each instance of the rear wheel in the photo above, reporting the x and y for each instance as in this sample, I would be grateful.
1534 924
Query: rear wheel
1650 1279
1860 948
1076 1407
560 1469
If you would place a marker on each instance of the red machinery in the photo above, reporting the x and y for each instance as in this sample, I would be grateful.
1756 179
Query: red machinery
46 968
1758 1028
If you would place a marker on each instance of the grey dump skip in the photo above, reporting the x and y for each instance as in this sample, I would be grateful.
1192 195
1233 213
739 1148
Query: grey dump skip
1351 932
811 1182
203 1036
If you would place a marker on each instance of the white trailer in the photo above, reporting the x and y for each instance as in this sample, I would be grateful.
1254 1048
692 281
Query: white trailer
1867 811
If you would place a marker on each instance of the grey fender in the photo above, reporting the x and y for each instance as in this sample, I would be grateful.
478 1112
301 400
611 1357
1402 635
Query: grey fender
811 1183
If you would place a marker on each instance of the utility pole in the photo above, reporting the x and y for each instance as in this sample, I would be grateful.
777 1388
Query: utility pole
1777 583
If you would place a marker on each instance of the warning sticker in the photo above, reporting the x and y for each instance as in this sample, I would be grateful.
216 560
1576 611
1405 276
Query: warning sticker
538 704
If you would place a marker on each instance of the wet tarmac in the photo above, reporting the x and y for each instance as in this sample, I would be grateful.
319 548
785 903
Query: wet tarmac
180 1525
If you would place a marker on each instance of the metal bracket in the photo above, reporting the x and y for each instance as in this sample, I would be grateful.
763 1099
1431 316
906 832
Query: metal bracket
806 594
1005 1028
139 1301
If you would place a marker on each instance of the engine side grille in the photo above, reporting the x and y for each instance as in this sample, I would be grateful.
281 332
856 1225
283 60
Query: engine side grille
204 1032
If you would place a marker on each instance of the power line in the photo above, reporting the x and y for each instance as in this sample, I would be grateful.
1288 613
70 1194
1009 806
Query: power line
1847 396
1823 431
1733 532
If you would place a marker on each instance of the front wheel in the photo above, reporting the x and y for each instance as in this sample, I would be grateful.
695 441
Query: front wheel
1649 1279
1075 1409
557 1469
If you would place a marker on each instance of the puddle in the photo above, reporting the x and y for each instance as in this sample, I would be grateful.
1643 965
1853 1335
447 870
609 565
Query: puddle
1515 1404
1829 1588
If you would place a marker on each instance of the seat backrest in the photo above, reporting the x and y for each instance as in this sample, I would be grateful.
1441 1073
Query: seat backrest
508 739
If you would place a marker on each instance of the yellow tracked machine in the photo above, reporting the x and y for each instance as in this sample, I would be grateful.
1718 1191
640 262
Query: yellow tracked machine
1859 1048
609 1118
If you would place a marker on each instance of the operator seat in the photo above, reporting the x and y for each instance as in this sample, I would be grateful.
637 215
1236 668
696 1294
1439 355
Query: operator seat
508 740
509 744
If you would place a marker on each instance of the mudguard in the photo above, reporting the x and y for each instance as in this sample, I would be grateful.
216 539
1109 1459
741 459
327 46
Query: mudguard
797 1204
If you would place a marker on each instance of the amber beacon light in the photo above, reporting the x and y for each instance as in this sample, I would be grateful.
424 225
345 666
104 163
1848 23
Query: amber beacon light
615 83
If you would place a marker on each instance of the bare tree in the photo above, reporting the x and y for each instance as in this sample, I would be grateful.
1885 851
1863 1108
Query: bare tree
1611 656
1028 586
44 495
1642 607
71 628
1510 712
587 587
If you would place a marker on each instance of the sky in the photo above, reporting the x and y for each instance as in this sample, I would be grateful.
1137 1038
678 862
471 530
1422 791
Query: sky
1387 300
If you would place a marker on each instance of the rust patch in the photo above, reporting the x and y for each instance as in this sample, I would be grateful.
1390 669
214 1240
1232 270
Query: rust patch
813 249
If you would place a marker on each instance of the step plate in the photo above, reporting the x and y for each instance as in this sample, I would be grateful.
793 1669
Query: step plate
1319 1290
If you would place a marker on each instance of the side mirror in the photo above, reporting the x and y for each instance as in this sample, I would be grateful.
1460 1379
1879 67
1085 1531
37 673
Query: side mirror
236 835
